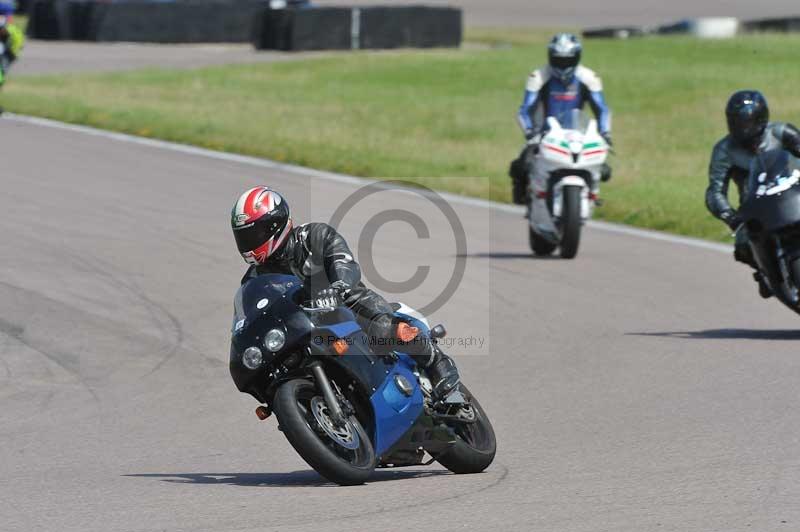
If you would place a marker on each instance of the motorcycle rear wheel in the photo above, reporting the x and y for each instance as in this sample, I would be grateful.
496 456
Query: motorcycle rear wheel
293 405
540 246
475 444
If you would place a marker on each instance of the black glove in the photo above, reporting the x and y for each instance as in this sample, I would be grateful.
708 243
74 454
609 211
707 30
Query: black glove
533 139
332 296
607 137
732 218
327 297
342 288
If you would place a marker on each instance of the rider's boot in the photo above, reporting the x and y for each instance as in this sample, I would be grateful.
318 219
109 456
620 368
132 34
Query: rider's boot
605 173
439 367
443 374
742 253
763 288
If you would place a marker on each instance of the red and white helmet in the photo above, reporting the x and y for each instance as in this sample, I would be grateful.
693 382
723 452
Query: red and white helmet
261 221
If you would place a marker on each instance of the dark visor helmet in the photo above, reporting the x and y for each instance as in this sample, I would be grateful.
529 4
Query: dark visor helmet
261 221
564 55
748 115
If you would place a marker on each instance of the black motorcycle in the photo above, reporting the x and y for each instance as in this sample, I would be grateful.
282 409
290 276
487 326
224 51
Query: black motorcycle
771 218
344 407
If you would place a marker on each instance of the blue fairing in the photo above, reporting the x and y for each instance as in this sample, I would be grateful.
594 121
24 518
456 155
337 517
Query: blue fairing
344 328
395 412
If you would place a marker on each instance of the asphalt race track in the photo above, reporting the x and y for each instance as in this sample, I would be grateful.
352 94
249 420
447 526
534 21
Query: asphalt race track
642 387
60 57
570 13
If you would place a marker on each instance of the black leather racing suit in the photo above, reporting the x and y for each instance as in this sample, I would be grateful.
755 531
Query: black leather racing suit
319 256
731 162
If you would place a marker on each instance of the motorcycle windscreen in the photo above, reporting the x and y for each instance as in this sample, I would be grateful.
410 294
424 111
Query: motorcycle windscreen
257 294
575 119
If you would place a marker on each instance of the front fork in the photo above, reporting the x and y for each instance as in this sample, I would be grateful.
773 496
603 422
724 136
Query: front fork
587 200
790 284
326 389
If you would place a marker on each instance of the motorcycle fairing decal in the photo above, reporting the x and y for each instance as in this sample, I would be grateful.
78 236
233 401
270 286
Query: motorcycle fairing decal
557 150
593 152
783 183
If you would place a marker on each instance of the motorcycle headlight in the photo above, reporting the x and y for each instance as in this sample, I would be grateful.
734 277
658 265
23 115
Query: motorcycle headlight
274 340
252 358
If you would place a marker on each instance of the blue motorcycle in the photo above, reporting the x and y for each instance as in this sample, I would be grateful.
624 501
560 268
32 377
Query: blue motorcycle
347 408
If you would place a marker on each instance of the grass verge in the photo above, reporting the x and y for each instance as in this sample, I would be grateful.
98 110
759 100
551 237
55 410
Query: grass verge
438 117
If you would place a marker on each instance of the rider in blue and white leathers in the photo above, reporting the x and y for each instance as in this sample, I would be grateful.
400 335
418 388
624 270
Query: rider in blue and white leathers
555 90
560 87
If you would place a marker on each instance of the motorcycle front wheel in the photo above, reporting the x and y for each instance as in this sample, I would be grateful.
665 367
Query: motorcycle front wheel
571 222
475 444
341 453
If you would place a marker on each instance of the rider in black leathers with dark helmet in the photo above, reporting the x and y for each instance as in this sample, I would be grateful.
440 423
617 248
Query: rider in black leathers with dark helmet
321 258
749 133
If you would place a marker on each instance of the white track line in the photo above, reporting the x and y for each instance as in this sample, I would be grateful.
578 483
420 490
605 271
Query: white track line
352 180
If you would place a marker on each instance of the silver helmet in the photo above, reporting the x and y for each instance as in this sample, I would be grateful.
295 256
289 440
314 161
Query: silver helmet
564 54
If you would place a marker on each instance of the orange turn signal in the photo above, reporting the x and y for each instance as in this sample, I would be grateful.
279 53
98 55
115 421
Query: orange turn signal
406 332
340 346
263 412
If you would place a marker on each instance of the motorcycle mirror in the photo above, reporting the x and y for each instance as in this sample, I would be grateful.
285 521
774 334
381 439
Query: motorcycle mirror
438 332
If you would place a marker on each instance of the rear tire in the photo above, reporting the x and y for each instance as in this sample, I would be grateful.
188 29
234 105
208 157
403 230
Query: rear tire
539 245
292 406
794 273
571 222
475 444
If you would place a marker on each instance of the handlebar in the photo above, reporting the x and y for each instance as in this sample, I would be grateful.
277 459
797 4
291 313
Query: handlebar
318 309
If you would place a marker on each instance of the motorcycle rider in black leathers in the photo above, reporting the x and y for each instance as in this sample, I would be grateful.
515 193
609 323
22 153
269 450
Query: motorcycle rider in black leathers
750 133
322 260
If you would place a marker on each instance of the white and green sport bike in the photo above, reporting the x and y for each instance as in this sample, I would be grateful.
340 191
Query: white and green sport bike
565 183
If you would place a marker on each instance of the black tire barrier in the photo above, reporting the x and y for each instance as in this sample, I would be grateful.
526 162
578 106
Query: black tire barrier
621 32
790 24
43 20
410 27
324 28
144 21
677 28
22 7
340 28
